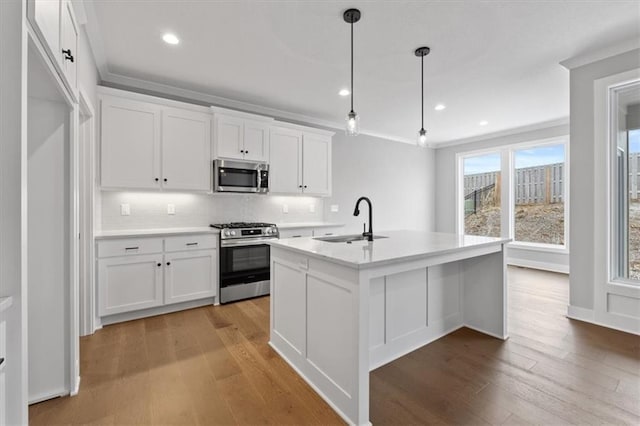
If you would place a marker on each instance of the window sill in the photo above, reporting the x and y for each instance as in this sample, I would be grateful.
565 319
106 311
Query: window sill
547 248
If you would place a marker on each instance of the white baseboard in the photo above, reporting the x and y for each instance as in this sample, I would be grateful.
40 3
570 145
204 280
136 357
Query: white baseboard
75 391
144 313
545 266
615 322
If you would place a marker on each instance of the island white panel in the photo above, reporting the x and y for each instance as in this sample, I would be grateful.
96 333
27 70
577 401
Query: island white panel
444 292
330 331
377 313
289 305
406 304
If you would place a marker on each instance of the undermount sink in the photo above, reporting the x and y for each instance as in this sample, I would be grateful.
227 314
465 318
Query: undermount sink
347 238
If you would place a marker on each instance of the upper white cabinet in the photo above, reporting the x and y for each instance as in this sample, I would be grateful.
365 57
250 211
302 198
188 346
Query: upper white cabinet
130 144
150 146
300 162
241 139
186 150
55 25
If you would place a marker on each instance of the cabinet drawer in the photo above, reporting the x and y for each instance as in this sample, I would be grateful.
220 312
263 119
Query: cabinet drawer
296 233
190 242
129 246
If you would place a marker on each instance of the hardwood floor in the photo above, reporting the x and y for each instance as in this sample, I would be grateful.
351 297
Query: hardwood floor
213 366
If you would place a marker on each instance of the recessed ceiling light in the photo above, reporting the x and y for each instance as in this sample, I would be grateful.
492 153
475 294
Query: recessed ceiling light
344 92
170 38
440 107
483 123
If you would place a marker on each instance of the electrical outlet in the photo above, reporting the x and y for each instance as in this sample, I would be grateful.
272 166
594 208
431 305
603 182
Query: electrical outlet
125 210
334 208
285 208
312 208
171 209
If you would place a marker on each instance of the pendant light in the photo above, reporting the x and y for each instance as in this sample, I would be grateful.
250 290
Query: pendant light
421 52
351 16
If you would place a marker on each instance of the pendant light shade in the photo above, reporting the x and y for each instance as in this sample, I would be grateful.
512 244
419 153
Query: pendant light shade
421 52
351 16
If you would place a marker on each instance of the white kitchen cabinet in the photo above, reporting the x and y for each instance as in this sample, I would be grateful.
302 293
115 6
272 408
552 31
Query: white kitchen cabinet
300 162
316 164
190 275
285 160
241 139
129 283
186 150
68 44
130 144
56 27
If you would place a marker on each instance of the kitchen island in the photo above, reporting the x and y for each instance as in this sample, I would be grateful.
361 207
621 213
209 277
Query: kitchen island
340 310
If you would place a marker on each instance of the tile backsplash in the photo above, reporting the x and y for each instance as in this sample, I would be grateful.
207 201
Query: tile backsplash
148 210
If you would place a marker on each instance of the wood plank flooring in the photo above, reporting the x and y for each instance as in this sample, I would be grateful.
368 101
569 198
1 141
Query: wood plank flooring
213 366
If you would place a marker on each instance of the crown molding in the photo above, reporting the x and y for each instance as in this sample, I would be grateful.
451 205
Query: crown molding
508 132
124 82
597 55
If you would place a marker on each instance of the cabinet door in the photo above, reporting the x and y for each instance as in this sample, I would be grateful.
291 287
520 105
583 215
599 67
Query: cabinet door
130 144
68 44
229 137
45 19
186 150
285 161
256 141
129 283
316 164
190 275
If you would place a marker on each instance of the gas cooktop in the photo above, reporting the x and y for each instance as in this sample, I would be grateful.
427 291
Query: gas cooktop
237 225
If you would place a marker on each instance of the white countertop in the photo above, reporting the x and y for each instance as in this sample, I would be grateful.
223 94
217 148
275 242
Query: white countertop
400 246
159 232
5 303
307 225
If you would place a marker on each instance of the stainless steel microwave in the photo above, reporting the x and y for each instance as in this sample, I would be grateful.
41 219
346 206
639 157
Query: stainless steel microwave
240 176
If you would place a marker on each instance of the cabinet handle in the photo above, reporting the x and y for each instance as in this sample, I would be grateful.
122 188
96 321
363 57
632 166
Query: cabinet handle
299 186
1 360
159 264
131 248
192 244
242 151
305 187
168 263
296 236
165 179
157 179
246 152
67 55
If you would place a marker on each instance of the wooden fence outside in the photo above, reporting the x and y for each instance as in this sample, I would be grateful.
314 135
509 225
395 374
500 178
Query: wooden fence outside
533 185
634 176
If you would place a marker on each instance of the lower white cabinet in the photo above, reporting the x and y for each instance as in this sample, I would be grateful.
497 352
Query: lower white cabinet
143 273
130 283
190 275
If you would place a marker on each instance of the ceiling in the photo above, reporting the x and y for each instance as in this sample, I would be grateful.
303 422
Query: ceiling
490 60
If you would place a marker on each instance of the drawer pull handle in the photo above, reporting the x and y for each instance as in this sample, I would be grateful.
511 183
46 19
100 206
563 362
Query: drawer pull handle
296 236
159 264
192 244
132 248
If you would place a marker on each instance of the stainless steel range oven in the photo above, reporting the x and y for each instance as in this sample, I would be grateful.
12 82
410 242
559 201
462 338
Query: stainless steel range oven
244 259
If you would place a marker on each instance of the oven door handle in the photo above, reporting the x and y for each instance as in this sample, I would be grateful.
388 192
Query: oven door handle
256 242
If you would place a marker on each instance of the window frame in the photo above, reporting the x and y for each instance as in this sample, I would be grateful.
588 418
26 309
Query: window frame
507 196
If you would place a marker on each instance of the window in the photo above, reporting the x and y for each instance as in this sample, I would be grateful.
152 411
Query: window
538 185
482 212
625 148
517 191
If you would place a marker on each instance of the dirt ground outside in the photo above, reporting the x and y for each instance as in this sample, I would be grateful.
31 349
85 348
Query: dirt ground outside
544 223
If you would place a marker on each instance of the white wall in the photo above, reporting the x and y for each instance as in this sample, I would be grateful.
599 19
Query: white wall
397 177
445 208
13 201
588 175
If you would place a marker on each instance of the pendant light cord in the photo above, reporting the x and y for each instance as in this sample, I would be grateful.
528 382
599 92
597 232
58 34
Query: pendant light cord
351 66
422 88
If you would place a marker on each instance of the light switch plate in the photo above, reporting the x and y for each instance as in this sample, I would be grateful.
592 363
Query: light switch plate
334 208
285 208
171 209
125 210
